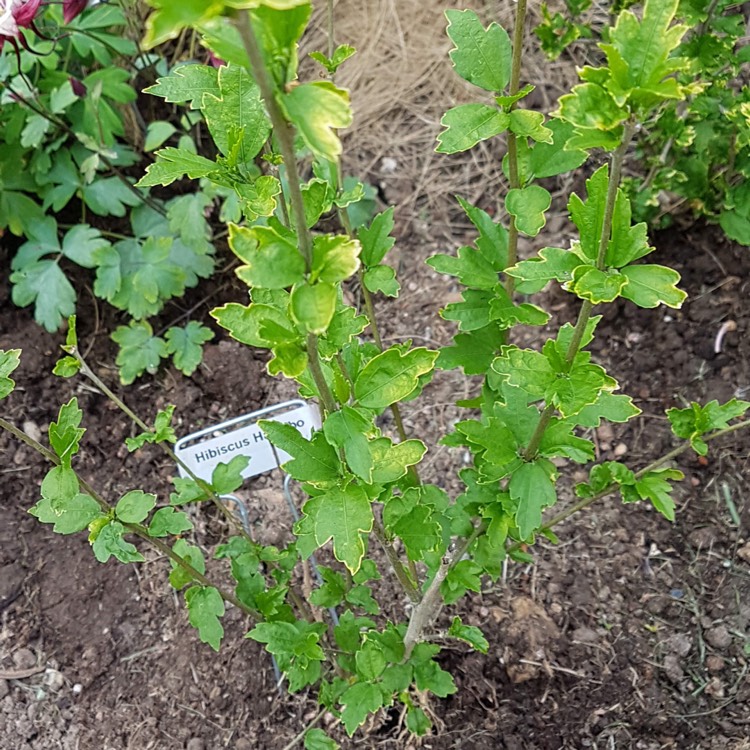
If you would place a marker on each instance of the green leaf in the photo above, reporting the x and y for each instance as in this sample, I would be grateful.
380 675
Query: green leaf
427 674
227 477
481 56
342 514
179 577
70 515
370 661
312 460
391 461
59 486
347 430
551 159
472 351
469 634
65 434
417 721
588 216
168 18
609 406
173 164
597 286
419 531
161 432
168 522
381 278
527 206
273 261
157 132
317 739
140 351
695 421
335 258
45 285
467 125
594 113
628 243
111 542
313 306
9 361
238 106
134 506
187 83
391 376
532 487
654 486
651 285
205 607
465 576
255 324
317 111
376 239
526 123
186 345
359 700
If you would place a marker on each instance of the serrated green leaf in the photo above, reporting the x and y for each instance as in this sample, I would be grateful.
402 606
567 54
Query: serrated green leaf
628 243
134 506
81 243
273 261
168 522
187 83
527 206
381 278
526 123
60 485
168 18
391 376
140 351
335 258
313 306
161 432
609 406
481 56
532 487
468 124
205 607
239 105
551 159
597 286
45 285
473 312
318 110
376 239
186 345
70 515
419 531
255 324
179 577
593 112
317 739
652 285
65 434
173 164
588 216
656 488
695 421
417 721
313 460
469 634
391 462
9 361
227 477
359 700
111 542
472 351
342 515
347 430
370 661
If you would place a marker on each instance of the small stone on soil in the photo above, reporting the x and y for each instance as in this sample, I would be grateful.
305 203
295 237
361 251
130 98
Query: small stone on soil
718 637
4 689
196 744
673 669
744 553
680 644
715 664
24 658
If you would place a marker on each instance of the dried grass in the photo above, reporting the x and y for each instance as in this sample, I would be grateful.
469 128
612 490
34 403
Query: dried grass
401 84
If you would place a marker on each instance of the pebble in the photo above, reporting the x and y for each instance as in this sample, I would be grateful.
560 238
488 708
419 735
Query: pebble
718 637
620 450
54 679
4 689
32 430
673 669
680 644
715 663
744 553
585 635
196 744
24 658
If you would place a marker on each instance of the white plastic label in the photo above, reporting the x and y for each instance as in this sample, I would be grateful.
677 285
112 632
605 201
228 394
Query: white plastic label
248 440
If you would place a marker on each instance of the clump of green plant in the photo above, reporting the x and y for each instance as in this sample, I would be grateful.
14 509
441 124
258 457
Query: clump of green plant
363 485
694 150
70 133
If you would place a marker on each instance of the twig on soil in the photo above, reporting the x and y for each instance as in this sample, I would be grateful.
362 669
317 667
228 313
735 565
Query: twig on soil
20 674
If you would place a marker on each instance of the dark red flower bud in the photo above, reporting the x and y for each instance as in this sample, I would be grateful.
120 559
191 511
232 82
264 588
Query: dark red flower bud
79 89
72 8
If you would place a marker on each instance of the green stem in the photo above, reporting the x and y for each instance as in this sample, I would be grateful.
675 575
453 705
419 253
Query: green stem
584 315
585 502
512 140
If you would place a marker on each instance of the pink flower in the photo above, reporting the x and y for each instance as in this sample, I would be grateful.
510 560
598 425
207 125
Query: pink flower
71 8
15 15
